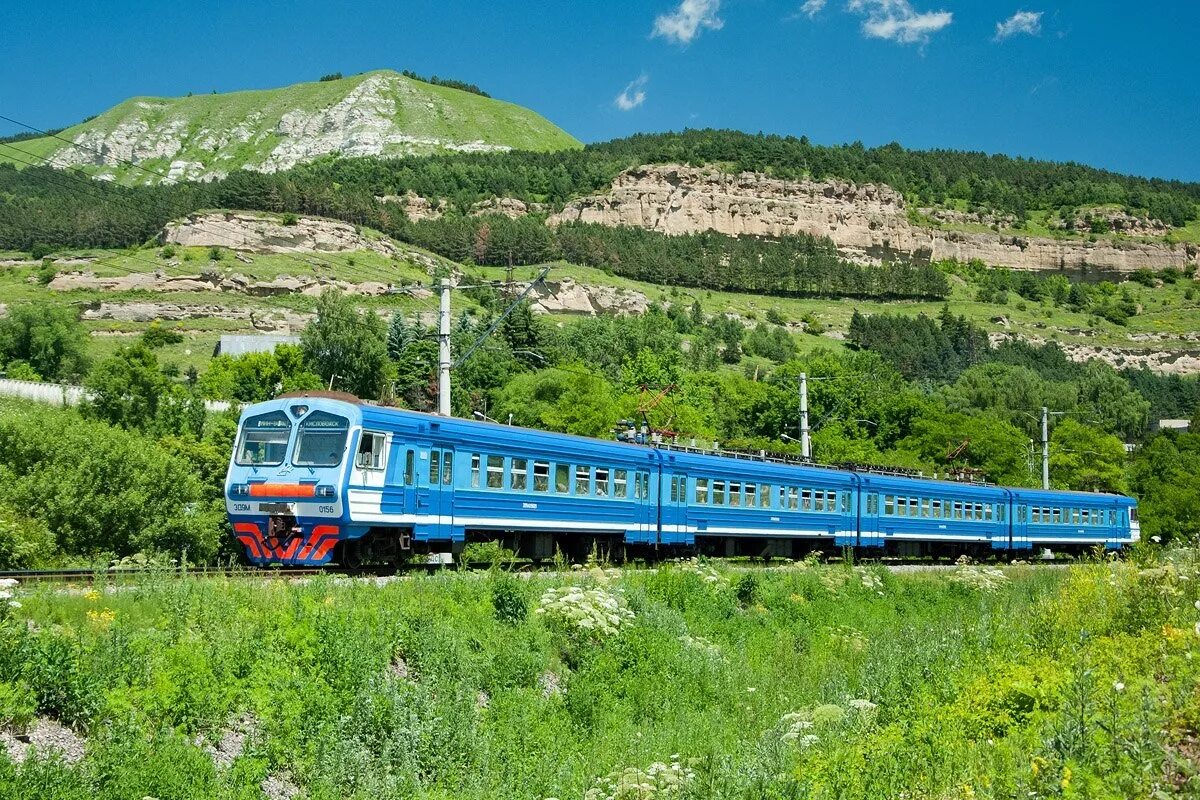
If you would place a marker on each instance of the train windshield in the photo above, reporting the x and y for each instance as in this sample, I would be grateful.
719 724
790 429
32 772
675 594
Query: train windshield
264 440
321 441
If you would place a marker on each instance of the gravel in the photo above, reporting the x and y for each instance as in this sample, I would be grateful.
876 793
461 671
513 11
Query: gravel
45 738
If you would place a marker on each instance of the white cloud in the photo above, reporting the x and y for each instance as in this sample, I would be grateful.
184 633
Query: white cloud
897 21
1029 22
633 95
812 7
684 23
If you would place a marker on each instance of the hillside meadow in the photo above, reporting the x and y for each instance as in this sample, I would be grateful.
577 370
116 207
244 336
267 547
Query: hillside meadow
687 680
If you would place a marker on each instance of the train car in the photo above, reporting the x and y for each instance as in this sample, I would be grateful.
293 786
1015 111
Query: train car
312 473
1073 521
738 505
916 516
323 477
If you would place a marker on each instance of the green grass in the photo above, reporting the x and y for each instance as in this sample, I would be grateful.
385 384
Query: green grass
423 111
802 681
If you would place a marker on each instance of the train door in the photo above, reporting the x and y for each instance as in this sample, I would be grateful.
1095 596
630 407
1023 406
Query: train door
400 494
441 491
1020 525
868 520
674 509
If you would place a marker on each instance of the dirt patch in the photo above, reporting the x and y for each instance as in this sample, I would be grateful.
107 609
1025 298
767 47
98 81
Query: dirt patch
45 738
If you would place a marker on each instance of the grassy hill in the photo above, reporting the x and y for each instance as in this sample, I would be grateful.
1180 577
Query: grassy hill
373 113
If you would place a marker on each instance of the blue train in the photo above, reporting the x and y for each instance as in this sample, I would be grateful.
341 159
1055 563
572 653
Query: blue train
318 477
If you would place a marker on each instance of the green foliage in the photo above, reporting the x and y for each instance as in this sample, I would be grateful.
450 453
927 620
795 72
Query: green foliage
216 253
922 347
100 489
157 335
332 76
1163 477
24 543
449 82
130 390
254 377
48 338
40 251
346 347
509 602
18 705
746 589
1086 459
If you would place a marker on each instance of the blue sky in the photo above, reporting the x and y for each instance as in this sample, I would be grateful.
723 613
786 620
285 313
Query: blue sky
1112 84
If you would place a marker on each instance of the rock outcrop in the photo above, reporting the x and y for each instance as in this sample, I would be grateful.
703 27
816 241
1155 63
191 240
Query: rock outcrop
234 282
568 297
867 222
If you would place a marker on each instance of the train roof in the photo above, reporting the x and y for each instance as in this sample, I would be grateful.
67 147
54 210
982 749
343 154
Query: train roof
686 456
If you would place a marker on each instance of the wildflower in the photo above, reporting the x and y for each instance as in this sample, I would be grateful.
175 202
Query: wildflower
862 705
808 740
1066 778
91 595
984 579
8 583
102 618
14 604
751 689
593 611
1156 539
1118 686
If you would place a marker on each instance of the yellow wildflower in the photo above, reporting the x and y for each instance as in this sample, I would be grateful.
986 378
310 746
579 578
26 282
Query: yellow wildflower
1066 779
91 595
102 618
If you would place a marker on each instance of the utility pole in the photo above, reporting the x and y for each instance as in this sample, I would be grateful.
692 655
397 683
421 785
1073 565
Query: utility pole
805 446
1045 447
444 350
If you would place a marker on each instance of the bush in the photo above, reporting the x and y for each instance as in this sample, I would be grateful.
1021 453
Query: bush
40 251
1143 276
509 604
46 272
24 543
168 251
746 589
158 336
215 253
290 219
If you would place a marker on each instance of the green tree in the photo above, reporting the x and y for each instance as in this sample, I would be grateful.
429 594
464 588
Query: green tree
346 347
254 377
49 338
129 389
1086 458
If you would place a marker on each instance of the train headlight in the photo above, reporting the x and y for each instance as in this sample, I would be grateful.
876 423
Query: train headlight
325 491
240 490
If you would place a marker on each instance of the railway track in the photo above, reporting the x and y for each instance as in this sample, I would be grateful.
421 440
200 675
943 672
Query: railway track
86 576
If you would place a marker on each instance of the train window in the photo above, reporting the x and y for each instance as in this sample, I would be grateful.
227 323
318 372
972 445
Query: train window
475 470
872 503
1037 514
751 493
434 467
1000 513
958 510
601 482
641 485
620 483
410 467
1112 516
448 468
793 498
1074 516
702 491
1056 515
935 508
818 501
845 502
735 494
520 474
370 451
1085 517
925 507
806 500
264 439
322 440
1133 514
562 478
1020 513
987 511
541 476
889 505
764 496
718 493
979 511
583 479
495 472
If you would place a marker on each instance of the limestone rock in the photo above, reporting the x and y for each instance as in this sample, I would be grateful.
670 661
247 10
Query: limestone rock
568 297
867 222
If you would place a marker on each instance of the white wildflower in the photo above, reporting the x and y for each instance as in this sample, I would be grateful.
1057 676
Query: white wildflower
1156 539
8 583
983 579
594 611
862 705
13 604
808 740
751 689
1118 686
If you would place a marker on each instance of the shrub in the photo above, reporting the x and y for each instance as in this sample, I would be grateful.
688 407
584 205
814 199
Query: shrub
290 219
509 604
18 705
158 336
24 543
168 251
746 589
215 253
40 251
46 272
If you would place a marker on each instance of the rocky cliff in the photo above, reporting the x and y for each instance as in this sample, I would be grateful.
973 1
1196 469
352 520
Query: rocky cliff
867 222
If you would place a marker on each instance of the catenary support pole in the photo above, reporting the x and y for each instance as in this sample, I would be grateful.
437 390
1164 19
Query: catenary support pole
444 350
805 446
1045 447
